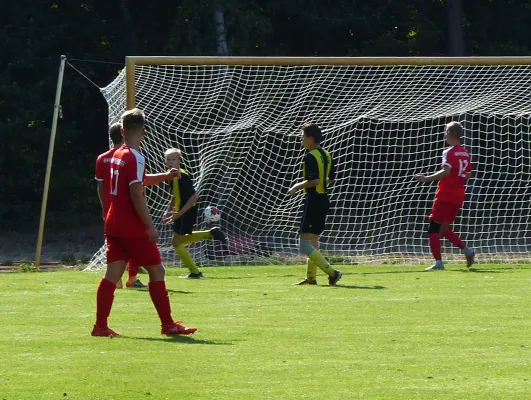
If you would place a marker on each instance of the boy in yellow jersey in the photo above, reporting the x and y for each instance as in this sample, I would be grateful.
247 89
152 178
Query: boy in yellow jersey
318 172
182 211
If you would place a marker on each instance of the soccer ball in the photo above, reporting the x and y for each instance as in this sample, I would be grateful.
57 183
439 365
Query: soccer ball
211 214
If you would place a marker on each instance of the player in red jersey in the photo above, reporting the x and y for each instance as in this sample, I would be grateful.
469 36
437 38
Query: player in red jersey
130 232
103 177
450 196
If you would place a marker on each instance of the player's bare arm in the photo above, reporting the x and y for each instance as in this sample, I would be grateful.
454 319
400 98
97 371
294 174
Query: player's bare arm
139 201
153 179
303 185
101 193
101 196
442 173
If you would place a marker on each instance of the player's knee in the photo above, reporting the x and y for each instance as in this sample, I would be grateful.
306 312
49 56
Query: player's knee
176 240
156 272
434 227
305 247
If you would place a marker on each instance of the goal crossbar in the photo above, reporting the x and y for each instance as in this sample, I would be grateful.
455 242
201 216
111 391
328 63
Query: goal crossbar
132 61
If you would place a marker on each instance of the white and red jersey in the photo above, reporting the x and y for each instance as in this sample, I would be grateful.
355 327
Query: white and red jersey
103 174
127 166
452 188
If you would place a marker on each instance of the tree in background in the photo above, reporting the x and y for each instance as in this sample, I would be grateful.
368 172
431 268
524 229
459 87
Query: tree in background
33 35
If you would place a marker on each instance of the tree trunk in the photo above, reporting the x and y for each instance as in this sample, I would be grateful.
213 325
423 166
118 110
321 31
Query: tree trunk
221 38
132 40
456 37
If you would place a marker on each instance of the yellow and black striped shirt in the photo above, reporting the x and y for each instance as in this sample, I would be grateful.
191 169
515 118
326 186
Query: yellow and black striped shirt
182 189
318 164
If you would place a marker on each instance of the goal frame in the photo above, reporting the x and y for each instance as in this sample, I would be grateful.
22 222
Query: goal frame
132 61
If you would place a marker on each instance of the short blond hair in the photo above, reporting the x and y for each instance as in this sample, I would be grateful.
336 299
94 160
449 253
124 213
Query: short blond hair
454 129
133 120
172 150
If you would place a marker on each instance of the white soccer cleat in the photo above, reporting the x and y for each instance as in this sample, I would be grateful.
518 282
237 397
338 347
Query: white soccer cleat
438 266
469 255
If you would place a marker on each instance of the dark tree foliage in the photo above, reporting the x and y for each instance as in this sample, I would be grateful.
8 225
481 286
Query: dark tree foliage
33 35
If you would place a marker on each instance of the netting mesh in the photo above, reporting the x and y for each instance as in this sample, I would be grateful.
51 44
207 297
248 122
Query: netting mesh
238 128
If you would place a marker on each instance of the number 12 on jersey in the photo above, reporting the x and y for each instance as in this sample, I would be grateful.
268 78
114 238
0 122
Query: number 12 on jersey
463 164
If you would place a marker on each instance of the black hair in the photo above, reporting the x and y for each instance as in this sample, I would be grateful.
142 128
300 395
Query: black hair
313 130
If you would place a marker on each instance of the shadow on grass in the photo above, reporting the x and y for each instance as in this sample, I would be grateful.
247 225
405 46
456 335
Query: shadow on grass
181 339
339 286
387 272
228 277
178 291
169 291
490 271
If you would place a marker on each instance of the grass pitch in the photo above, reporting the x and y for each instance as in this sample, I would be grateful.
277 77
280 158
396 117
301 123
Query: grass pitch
385 332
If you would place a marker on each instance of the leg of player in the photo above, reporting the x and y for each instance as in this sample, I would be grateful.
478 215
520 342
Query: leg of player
435 245
311 267
133 281
215 233
105 298
185 257
449 234
161 301
317 258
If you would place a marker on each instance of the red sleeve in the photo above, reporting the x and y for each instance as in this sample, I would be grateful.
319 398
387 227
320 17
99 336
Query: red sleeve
451 160
99 169
134 167
469 167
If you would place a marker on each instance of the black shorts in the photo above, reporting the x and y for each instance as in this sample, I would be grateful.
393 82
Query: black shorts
315 210
186 223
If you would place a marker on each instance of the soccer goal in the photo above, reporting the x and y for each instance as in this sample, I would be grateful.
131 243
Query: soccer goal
237 122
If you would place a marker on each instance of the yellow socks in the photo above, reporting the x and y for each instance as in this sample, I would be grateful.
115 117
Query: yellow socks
186 258
196 236
311 272
320 261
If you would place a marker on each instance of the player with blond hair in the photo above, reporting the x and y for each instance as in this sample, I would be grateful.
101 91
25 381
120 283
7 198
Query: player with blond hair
130 232
456 169
182 212
103 177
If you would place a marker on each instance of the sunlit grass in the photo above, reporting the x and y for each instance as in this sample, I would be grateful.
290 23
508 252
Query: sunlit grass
385 332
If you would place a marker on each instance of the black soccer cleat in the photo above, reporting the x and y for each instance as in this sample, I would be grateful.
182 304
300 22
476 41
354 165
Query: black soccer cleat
191 275
332 280
217 234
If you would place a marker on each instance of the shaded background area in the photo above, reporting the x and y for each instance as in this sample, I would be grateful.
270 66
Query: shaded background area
34 35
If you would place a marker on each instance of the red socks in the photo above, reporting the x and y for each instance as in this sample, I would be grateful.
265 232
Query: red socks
435 242
453 238
104 299
435 245
159 297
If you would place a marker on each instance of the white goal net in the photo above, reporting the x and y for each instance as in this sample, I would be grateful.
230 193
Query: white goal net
238 128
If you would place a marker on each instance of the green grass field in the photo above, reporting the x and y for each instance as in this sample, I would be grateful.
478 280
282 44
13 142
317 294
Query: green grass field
385 332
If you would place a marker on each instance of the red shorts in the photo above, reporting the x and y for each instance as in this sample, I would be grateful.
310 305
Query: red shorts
138 251
444 211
